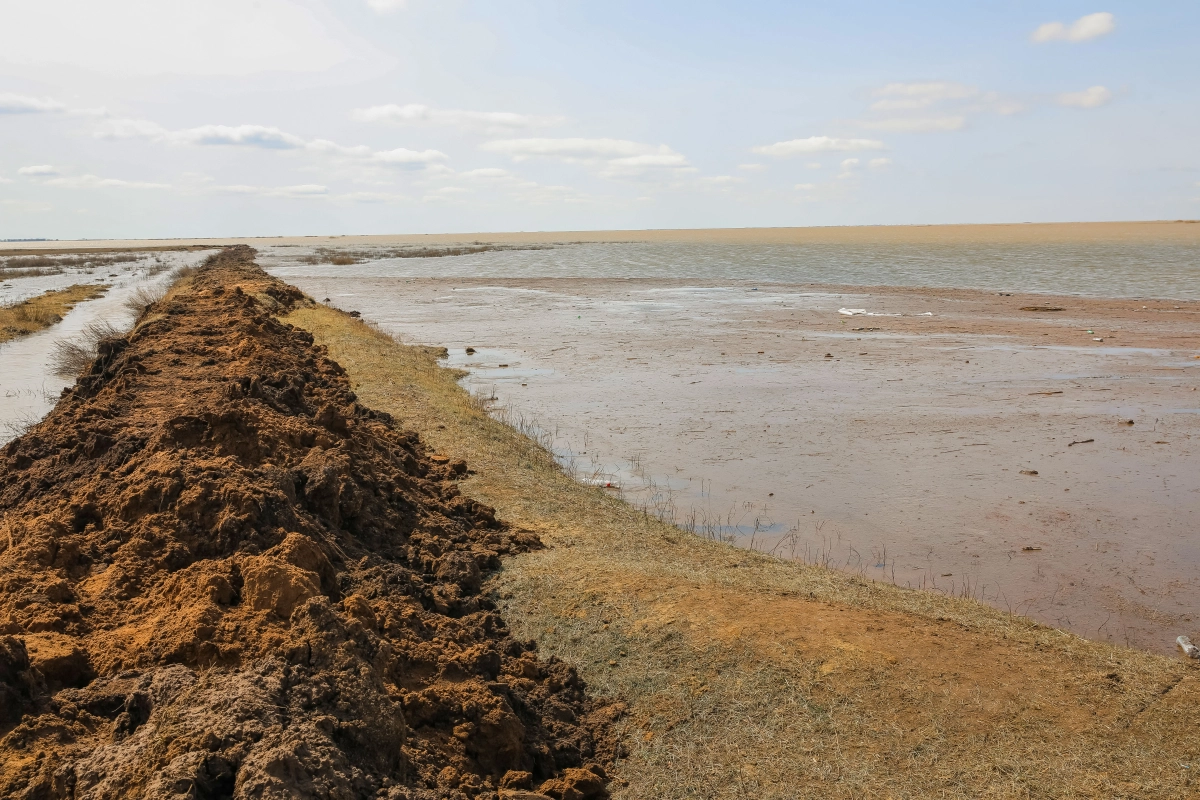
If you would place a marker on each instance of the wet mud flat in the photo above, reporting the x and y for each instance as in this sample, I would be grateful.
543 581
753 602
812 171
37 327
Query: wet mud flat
224 576
973 443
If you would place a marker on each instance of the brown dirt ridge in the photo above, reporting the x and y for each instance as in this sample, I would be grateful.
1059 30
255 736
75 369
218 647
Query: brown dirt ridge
222 576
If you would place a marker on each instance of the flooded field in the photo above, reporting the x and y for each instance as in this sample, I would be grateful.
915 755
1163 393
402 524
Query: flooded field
28 387
1036 451
938 439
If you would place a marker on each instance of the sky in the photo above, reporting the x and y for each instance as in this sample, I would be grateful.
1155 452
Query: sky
181 118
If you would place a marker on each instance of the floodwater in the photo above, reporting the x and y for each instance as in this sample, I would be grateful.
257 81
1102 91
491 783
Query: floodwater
1168 268
28 389
720 388
899 446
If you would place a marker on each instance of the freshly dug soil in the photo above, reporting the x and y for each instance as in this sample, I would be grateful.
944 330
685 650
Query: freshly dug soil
222 576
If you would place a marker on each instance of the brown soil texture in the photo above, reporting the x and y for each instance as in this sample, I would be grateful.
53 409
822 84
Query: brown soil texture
222 576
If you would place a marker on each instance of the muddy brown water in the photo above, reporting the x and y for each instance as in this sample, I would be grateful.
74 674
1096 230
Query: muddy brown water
899 446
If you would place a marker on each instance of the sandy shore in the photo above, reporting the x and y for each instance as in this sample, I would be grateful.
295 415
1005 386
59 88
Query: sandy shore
896 446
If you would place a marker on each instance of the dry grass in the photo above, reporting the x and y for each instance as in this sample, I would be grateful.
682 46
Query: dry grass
70 357
39 265
143 297
36 313
81 249
751 676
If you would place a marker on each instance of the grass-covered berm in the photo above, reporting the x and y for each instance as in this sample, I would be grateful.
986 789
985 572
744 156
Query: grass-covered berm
224 575
747 676
32 315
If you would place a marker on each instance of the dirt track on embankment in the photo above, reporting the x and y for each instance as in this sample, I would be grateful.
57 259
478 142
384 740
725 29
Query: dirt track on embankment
223 576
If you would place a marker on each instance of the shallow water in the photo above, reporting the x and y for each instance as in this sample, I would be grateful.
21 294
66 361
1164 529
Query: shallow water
705 393
898 458
28 389
1168 269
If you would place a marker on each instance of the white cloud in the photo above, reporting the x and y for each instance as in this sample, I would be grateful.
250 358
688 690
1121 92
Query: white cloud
405 156
722 180
805 187
1092 97
752 167
264 137
876 163
23 104
326 147
913 96
568 149
497 122
386 6
813 165
917 124
850 163
53 177
4 180
242 135
487 173
1091 26
933 106
619 158
302 191
96 182
151 37
817 144
651 160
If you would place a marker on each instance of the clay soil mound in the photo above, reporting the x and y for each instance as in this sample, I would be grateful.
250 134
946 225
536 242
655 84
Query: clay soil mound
222 576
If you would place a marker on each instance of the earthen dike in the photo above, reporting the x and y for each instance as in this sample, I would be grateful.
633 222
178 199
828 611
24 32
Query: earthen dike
222 576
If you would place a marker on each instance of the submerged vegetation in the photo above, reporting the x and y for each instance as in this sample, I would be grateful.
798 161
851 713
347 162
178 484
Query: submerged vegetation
344 256
40 265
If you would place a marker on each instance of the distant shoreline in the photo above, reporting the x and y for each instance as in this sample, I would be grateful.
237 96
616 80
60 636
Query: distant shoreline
1014 233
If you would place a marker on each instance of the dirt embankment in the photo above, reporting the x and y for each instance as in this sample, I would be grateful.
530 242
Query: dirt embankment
222 576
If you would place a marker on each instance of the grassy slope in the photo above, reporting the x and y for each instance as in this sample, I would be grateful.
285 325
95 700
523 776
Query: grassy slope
747 676
32 315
